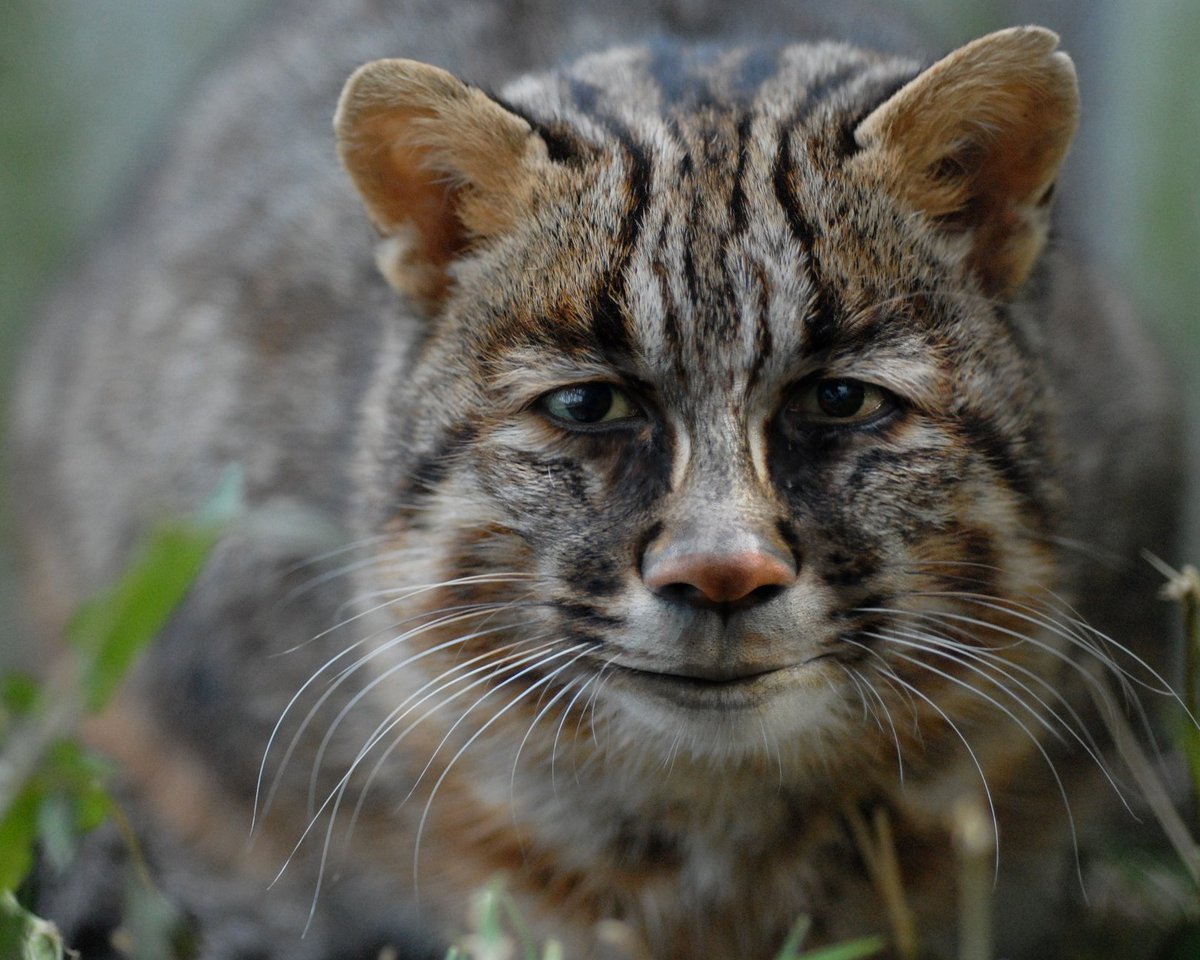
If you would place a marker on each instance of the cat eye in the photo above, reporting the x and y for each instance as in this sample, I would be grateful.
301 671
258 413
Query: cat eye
589 404
841 401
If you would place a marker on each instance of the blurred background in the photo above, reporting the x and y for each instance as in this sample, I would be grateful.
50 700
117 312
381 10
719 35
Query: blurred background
88 87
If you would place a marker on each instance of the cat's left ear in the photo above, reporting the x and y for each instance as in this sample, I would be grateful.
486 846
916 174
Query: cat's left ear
439 164
975 143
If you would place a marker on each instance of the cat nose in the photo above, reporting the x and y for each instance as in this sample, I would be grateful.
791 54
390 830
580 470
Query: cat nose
748 571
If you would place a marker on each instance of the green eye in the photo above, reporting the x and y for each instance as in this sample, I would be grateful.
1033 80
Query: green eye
589 403
840 400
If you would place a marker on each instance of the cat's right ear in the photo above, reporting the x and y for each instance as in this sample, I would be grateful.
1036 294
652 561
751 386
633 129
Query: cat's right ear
439 165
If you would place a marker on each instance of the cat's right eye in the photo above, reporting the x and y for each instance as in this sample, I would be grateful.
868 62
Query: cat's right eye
589 405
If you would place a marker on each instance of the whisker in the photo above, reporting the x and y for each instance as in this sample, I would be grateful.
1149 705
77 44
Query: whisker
533 724
342 676
338 791
582 649
915 691
1079 732
864 685
1062 790
382 677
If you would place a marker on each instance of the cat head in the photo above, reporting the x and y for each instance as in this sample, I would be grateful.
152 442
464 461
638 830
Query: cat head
725 417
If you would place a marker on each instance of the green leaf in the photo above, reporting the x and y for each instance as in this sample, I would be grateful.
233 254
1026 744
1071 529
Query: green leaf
852 950
112 629
18 831
794 938
24 936
152 922
56 829
18 693
75 783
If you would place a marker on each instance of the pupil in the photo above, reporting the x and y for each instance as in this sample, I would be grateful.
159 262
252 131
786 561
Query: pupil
840 398
587 404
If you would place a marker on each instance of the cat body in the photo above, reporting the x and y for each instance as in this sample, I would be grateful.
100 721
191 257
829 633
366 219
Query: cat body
710 490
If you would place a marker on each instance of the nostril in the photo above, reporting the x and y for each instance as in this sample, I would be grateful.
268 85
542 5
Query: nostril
708 579
768 591
683 593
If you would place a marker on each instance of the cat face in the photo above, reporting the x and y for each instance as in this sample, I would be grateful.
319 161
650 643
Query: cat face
721 426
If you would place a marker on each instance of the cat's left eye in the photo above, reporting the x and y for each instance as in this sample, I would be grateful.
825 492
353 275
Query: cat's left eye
589 404
842 401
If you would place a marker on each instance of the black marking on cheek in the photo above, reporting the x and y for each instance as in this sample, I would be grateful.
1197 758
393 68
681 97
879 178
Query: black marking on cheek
983 436
641 474
873 461
978 547
579 611
849 571
975 567
431 468
591 569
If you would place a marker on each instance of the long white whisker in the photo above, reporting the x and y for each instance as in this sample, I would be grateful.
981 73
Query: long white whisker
895 677
335 796
1062 790
383 676
582 649
342 676
864 684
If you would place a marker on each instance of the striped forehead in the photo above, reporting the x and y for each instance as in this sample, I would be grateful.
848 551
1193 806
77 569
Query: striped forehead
718 273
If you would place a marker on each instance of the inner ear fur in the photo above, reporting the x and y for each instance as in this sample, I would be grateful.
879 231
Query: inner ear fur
438 163
975 143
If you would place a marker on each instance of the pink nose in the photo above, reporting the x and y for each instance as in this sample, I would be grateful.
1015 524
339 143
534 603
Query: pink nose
705 578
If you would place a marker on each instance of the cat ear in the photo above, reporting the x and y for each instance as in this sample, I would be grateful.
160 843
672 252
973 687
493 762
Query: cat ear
975 143
438 163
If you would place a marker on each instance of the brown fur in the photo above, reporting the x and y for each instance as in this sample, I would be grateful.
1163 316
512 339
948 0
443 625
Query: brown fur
654 663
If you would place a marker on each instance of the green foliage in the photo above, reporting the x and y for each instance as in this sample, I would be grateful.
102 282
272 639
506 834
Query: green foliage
852 950
498 932
52 790
26 937
112 629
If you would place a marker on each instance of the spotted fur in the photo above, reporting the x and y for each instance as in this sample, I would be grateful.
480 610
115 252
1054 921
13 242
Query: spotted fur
498 683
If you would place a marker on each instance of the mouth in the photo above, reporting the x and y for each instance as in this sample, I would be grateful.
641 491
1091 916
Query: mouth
712 688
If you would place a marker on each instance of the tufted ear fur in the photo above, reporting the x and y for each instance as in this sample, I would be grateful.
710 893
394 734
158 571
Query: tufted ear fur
975 143
439 165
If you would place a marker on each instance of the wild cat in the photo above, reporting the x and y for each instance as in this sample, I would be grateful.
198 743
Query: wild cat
735 464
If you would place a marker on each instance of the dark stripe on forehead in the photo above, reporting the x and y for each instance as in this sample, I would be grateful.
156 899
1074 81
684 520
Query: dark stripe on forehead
763 341
737 196
822 319
609 324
